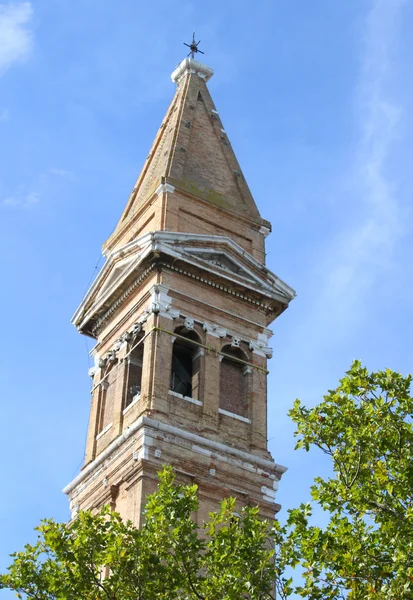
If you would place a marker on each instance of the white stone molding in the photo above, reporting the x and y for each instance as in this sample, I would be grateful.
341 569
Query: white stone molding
249 461
117 303
135 400
247 370
102 433
265 231
160 302
263 338
127 260
164 188
74 510
268 494
92 371
215 330
190 66
186 398
260 349
233 415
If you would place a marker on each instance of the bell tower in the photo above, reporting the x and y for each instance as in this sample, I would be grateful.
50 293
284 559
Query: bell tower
180 314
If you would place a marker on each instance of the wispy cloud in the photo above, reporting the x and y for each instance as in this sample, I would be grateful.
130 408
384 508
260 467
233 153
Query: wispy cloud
4 115
363 251
24 201
15 34
61 173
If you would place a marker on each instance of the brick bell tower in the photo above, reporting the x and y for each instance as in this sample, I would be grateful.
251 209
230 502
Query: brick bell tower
180 314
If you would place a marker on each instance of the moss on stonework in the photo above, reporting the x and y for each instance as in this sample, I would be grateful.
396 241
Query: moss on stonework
207 194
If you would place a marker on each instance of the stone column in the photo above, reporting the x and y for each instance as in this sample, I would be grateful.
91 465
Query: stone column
259 404
121 382
211 385
94 416
157 357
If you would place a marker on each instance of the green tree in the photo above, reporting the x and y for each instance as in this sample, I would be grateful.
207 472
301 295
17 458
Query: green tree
102 557
365 552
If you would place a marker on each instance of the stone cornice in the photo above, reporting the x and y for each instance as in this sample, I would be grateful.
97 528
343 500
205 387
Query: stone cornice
251 281
250 460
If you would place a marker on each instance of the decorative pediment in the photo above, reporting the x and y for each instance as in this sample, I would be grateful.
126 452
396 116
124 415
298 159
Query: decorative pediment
224 257
222 262
218 257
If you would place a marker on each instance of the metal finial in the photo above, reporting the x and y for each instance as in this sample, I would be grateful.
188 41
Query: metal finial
193 47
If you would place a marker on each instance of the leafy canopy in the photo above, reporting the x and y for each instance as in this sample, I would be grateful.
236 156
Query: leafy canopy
102 557
365 552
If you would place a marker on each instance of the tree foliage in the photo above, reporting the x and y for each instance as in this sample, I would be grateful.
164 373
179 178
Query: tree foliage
365 552
100 557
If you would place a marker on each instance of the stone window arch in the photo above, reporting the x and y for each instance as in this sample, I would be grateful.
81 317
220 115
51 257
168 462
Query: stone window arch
186 363
234 381
134 370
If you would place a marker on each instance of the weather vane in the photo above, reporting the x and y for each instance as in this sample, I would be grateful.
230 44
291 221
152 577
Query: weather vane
193 47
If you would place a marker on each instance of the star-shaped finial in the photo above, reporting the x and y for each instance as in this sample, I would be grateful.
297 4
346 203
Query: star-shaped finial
193 47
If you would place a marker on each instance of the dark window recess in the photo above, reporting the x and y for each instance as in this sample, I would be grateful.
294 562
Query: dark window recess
185 367
134 374
182 370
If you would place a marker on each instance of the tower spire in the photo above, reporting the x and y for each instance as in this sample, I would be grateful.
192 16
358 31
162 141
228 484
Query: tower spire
193 154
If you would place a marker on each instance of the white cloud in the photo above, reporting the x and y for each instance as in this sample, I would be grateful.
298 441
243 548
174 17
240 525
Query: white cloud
30 199
15 34
61 172
4 115
361 253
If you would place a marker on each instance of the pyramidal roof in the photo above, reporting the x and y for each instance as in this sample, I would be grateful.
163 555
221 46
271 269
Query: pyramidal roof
192 151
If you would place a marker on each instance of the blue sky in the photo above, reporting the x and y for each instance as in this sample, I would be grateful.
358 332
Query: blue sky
315 97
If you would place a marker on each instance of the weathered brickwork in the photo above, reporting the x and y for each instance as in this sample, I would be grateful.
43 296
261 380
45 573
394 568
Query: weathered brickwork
180 313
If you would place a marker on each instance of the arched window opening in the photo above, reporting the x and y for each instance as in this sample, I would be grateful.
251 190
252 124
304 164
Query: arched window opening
107 398
233 382
185 370
135 362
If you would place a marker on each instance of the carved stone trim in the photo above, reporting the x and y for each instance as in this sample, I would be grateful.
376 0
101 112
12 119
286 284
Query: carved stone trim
218 286
189 323
214 330
261 349
120 300
235 342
